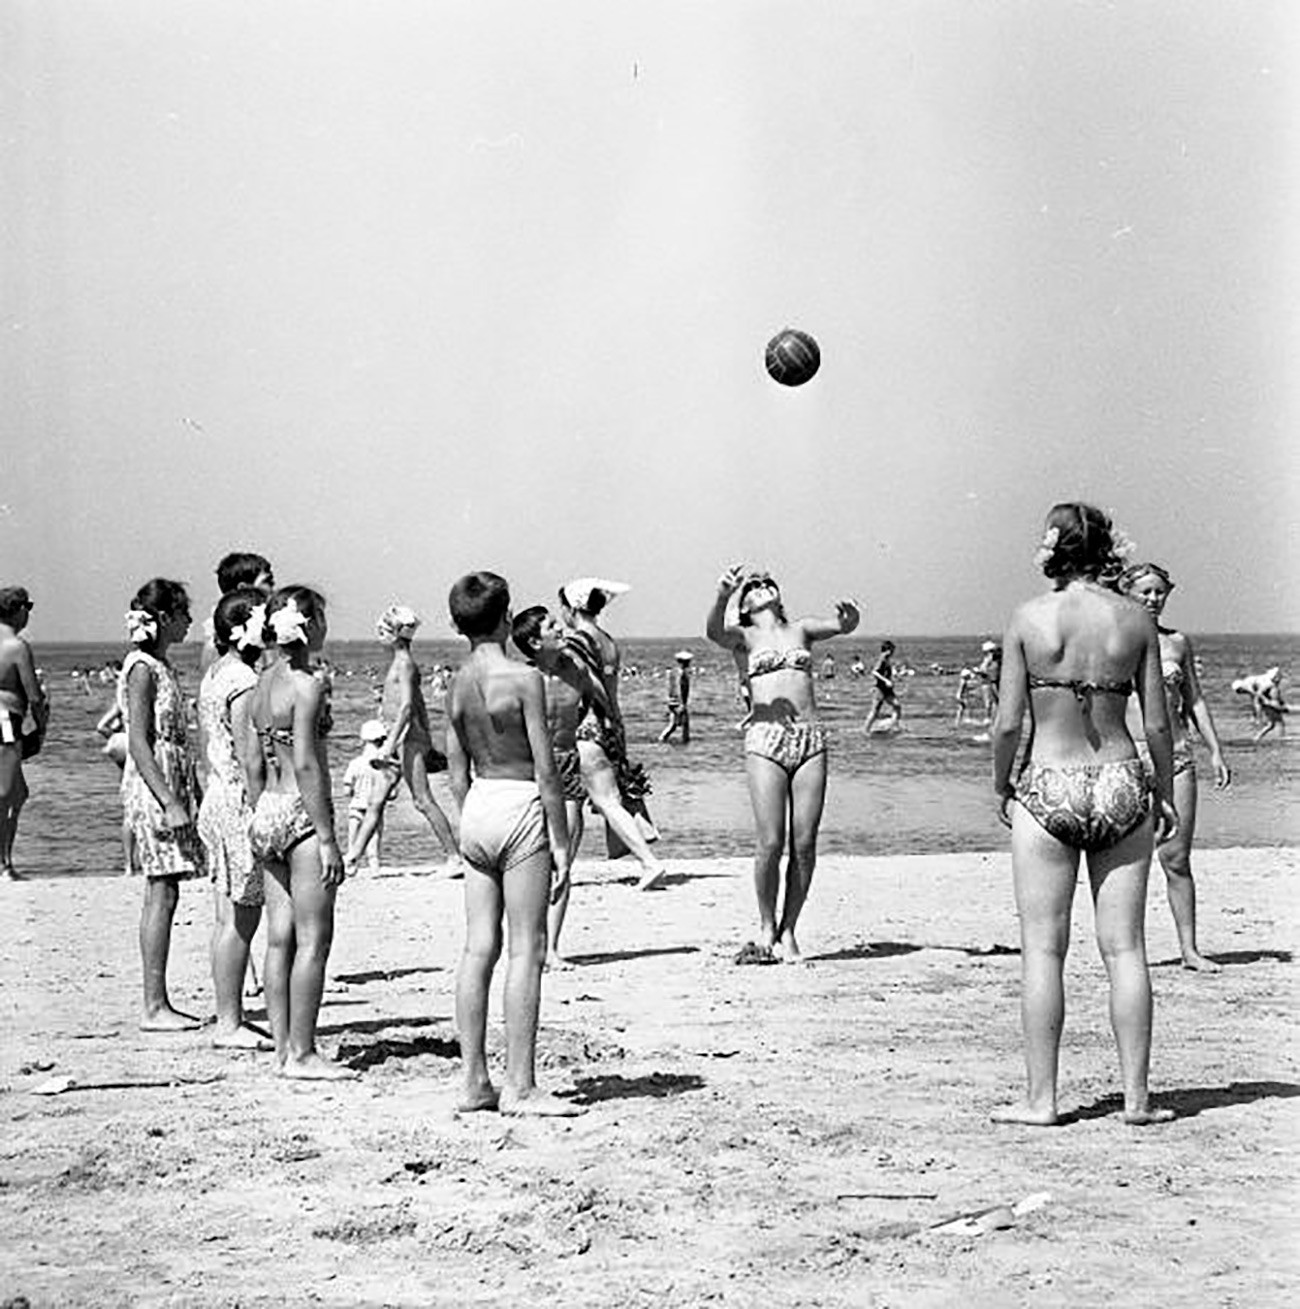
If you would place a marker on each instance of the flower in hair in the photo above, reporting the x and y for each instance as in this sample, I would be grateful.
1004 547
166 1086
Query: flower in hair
289 624
141 626
1121 545
1047 547
250 633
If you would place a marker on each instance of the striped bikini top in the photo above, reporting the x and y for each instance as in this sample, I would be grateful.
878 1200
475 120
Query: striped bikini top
771 660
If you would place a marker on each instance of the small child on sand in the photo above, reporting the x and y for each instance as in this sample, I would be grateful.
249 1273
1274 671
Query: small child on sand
513 833
369 784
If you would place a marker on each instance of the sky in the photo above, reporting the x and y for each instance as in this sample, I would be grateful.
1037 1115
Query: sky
390 291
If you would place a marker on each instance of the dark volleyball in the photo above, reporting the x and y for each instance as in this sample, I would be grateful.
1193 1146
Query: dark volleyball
792 357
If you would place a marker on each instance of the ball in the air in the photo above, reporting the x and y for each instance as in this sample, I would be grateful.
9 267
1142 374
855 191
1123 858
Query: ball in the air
792 357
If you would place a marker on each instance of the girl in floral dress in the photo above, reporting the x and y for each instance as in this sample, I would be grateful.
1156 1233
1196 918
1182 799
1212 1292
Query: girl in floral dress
225 814
160 790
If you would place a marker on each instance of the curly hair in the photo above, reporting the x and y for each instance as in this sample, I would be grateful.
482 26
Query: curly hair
1079 542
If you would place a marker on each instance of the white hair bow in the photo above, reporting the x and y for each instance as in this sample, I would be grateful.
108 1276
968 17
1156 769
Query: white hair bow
141 626
289 624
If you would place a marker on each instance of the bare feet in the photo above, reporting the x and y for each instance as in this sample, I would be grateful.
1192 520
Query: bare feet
478 1099
1148 1117
1027 1115
787 949
246 1037
654 879
169 1020
1198 963
12 874
316 1068
536 1104
558 963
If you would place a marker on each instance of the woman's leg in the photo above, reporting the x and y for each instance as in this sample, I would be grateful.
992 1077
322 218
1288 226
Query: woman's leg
602 786
313 935
1118 878
769 794
558 910
484 899
279 955
233 929
1044 872
807 799
1176 860
526 889
156 914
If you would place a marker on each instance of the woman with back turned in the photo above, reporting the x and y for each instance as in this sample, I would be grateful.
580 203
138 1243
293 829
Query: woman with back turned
1072 658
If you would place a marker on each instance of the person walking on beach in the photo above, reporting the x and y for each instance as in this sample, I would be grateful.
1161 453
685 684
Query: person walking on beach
238 569
225 697
785 744
408 748
1150 585
679 698
292 830
369 783
616 786
1072 658
514 839
21 693
571 693
160 786
886 693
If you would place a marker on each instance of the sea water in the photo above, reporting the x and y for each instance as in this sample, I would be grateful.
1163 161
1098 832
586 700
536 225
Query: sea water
922 789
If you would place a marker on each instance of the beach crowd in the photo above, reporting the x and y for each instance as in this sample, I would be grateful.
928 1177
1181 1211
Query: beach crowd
1093 707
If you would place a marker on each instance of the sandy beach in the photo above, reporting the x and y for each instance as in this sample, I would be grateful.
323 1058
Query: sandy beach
773 1136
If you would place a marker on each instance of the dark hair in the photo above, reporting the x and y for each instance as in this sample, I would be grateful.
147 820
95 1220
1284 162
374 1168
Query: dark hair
240 568
1131 574
12 599
308 600
478 602
233 610
1083 544
160 598
886 645
526 630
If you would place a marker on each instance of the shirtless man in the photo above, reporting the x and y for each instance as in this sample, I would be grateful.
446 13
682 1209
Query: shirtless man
20 693
513 834
409 744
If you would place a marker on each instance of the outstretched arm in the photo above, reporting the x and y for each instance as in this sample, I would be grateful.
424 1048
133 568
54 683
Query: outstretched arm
847 617
715 627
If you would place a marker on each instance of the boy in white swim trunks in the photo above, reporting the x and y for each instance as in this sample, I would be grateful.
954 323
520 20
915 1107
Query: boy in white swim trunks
513 834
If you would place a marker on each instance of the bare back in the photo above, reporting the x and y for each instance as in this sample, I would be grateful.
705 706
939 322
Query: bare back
487 706
1074 656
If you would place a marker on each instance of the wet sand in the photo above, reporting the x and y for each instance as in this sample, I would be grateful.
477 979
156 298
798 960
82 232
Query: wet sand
752 1135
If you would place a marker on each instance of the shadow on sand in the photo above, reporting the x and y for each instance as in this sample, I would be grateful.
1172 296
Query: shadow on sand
371 1026
1230 958
613 1086
383 975
620 956
360 1056
889 949
1191 1100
